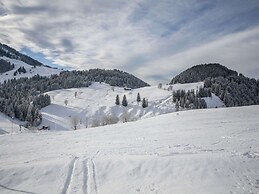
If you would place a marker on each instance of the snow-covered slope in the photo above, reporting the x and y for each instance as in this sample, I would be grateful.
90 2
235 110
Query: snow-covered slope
30 70
8 125
96 102
197 151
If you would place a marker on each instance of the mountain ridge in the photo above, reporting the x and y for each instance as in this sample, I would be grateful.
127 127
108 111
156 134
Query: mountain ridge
11 53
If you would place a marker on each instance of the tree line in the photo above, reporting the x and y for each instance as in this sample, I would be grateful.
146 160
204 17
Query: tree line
5 66
234 90
190 99
124 101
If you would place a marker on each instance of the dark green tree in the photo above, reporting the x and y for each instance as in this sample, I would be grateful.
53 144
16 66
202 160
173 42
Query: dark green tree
144 103
138 98
117 101
124 101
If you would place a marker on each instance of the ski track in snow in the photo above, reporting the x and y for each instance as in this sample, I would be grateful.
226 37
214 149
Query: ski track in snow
81 177
85 177
70 175
91 183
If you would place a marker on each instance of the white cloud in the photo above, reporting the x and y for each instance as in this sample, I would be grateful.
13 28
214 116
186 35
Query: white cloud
238 51
151 39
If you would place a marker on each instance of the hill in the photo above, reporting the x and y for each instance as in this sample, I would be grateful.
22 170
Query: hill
232 88
95 105
23 80
198 151
14 64
201 72
14 68
11 53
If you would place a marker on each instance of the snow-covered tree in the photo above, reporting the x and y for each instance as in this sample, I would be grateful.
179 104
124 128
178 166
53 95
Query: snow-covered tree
74 120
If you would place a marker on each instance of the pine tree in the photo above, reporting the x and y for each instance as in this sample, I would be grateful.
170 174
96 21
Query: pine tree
117 101
124 101
138 98
144 103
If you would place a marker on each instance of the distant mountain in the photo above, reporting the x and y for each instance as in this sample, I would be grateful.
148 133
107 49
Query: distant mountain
14 54
14 64
15 68
201 72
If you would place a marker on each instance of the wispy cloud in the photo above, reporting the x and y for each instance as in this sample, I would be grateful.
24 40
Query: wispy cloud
152 39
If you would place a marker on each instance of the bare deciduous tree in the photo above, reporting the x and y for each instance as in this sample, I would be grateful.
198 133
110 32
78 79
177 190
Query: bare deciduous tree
74 122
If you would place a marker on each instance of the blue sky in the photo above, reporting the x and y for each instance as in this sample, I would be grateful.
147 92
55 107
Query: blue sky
154 40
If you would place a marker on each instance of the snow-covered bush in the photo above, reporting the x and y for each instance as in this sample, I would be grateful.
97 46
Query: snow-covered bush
109 119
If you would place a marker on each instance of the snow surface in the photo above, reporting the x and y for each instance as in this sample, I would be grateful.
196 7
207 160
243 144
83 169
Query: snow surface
197 151
8 125
30 71
98 101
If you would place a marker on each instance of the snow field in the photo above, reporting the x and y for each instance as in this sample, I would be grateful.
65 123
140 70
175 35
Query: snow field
97 102
197 151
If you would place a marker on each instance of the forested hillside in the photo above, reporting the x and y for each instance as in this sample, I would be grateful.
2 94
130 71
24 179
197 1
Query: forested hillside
231 88
22 98
201 72
234 90
5 66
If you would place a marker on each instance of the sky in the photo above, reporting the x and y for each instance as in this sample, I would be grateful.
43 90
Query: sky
154 40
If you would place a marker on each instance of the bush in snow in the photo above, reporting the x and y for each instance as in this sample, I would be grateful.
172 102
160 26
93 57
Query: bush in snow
125 117
95 123
109 119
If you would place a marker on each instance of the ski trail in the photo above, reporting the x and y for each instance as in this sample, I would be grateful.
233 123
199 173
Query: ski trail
69 176
94 176
85 177
77 184
92 185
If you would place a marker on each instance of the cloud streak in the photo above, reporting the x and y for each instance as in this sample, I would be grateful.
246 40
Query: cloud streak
151 39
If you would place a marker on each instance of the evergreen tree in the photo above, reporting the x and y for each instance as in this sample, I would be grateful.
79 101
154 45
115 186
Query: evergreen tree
144 103
124 101
138 98
117 101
